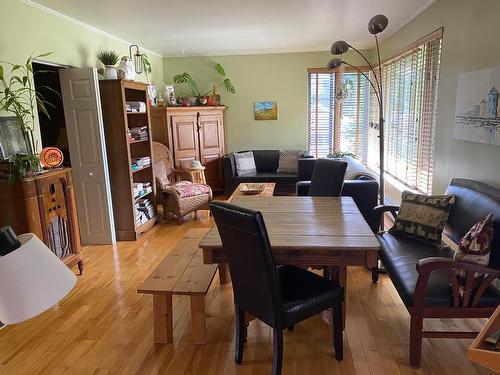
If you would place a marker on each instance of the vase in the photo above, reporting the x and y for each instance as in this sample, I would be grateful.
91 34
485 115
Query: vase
110 72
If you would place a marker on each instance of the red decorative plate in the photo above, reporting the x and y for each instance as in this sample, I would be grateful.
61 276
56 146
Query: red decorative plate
51 157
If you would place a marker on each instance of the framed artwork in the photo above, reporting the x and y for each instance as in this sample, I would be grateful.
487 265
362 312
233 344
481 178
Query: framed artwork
11 138
266 110
477 112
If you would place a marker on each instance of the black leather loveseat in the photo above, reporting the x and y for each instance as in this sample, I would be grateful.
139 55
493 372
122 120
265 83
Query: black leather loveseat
424 273
266 163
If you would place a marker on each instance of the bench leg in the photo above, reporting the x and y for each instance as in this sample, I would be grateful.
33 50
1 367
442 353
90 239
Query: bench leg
162 318
198 319
224 276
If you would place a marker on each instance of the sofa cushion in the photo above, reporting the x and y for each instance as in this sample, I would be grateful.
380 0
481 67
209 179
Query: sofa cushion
245 164
400 255
475 246
281 178
423 216
289 161
474 200
266 161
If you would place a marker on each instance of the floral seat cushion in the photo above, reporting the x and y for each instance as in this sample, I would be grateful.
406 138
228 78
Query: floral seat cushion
187 189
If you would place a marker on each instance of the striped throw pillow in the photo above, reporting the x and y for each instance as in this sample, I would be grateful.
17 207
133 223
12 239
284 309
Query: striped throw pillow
245 163
289 161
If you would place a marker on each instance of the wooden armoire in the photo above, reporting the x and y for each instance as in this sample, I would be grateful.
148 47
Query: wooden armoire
193 133
45 205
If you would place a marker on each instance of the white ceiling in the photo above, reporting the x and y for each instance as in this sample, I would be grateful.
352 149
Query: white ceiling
220 27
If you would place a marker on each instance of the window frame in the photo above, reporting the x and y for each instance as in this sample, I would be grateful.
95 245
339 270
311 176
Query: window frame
337 108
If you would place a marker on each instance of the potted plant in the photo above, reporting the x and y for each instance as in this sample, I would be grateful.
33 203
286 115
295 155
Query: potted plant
19 97
108 59
203 97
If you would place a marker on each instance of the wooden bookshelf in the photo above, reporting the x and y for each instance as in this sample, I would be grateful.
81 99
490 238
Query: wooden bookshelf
121 150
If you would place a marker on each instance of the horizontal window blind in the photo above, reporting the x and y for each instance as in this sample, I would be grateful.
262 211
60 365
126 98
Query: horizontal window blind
410 81
338 125
321 88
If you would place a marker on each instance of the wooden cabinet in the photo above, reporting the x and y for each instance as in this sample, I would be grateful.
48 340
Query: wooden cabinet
193 133
45 205
122 150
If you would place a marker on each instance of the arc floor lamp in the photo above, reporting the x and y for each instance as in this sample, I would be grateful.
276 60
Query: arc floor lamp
375 26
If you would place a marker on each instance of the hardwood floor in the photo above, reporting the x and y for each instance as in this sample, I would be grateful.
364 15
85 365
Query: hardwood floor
105 327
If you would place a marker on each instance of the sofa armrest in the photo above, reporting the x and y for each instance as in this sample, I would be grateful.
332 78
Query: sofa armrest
305 168
379 210
467 287
229 168
302 188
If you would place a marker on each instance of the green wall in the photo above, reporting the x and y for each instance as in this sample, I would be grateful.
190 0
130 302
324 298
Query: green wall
26 29
277 77
470 42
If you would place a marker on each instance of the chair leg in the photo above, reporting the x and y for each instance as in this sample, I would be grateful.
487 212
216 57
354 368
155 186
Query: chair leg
416 326
277 350
240 334
338 345
375 274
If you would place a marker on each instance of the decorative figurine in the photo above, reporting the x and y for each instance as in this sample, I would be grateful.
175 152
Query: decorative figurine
126 69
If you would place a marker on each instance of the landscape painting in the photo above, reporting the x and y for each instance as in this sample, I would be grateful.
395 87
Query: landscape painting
477 112
266 110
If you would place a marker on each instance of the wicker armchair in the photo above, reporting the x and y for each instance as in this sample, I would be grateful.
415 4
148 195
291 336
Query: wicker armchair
176 192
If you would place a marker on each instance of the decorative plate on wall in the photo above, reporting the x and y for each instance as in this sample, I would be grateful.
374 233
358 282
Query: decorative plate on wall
51 157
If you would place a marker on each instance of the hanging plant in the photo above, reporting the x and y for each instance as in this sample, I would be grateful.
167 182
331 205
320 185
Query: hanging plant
344 91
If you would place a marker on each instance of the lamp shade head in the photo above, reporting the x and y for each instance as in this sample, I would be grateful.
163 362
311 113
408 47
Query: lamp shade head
339 47
334 63
377 24
32 279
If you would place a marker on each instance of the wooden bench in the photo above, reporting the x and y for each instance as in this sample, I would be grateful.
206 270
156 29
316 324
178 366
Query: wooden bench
182 272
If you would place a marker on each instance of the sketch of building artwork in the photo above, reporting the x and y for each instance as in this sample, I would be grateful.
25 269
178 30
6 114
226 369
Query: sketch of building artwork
477 106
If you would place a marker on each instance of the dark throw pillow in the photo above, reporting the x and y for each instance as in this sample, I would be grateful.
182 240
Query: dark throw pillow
423 216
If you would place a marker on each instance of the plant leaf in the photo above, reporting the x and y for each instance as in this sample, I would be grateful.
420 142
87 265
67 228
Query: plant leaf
1 72
44 54
220 69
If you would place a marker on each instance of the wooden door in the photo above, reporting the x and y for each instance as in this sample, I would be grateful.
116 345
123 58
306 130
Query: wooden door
212 147
84 125
185 139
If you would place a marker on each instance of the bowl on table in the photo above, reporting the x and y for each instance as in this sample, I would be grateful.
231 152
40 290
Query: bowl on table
252 188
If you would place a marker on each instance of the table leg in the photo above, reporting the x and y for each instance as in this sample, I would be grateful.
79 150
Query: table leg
224 275
339 274
162 318
198 319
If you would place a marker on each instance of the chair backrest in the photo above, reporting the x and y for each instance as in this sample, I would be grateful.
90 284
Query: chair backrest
248 253
474 200
163 163
328 178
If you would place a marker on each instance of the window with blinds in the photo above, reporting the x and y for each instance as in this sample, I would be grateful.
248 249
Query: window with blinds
333 124
410 81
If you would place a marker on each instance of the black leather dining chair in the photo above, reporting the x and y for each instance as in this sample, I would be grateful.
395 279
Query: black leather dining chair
278 296
327 178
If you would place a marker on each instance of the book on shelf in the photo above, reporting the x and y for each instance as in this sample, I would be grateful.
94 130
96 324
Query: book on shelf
135 106
138 134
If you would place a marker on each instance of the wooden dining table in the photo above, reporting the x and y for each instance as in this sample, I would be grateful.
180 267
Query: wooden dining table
324 232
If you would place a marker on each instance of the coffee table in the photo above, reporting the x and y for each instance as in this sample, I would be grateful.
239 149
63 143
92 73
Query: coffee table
268 191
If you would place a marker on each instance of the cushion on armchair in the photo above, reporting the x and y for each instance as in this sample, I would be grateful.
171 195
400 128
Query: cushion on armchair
187 189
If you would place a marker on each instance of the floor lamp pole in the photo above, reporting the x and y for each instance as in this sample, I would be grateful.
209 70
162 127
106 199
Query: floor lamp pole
376 25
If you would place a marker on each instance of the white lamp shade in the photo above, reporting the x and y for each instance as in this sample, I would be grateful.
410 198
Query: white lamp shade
32 279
